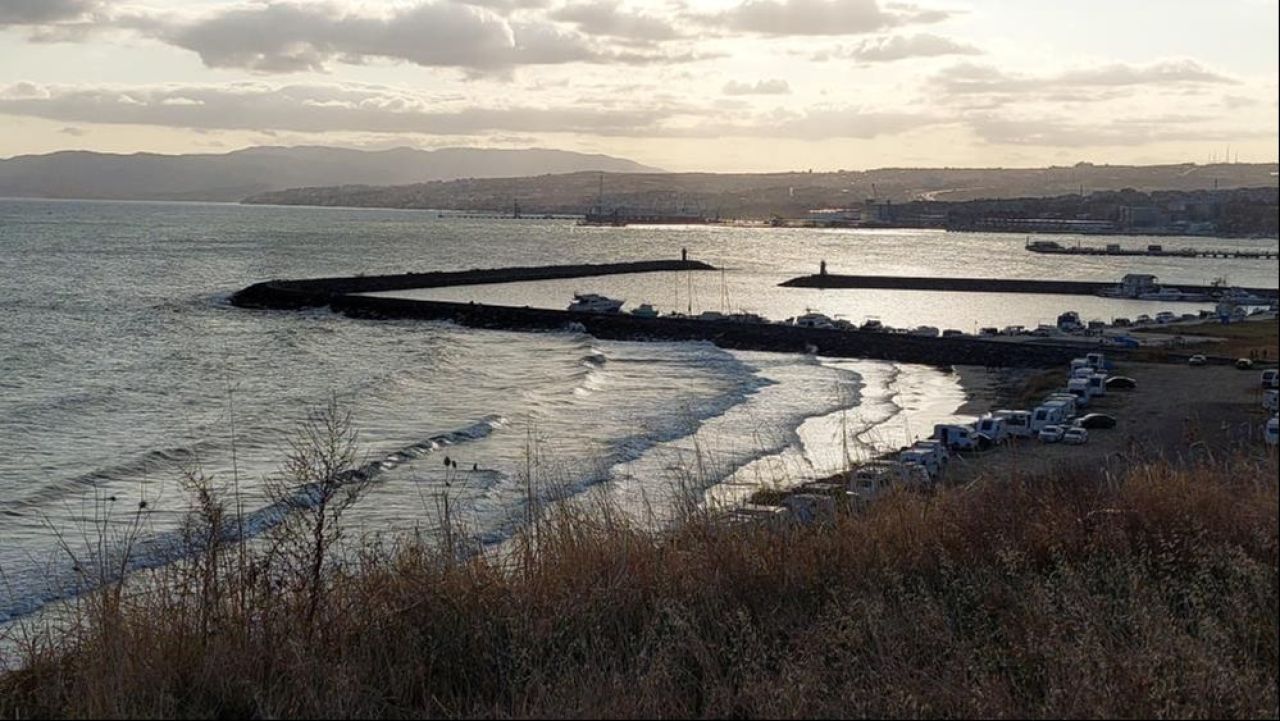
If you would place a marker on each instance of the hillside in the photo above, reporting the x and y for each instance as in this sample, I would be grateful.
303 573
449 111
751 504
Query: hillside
767 194
233 176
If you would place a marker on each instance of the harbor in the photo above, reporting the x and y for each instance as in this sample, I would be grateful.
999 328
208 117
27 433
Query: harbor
347 295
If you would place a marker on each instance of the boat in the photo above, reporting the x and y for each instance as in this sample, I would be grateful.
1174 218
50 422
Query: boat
594 303
1165 293
1243 297
645 311
812 320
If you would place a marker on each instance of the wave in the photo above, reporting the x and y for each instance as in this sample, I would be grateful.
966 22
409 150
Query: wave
45 584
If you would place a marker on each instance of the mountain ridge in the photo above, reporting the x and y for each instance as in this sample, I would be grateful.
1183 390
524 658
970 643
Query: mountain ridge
238 174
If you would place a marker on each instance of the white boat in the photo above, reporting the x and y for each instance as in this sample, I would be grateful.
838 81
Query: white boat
1172 294
1243 297
594 303
927 331
645 311
813 320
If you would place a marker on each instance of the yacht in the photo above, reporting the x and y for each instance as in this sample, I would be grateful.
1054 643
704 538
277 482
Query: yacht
645 310
813 320
594 303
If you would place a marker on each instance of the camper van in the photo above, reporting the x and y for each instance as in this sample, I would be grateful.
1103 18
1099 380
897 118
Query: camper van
1078 364
1097 361
1072 402
1079 387
1016 423
925 458
993 427
1049 414
1098 384
875 477
957 437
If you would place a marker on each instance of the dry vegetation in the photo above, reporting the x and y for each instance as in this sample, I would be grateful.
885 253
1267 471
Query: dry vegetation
1259 339
1154 594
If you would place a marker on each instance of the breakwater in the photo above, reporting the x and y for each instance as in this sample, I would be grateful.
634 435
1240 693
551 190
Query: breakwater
317 292
981 285
345 295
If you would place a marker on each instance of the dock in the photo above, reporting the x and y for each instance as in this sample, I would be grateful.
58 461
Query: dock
1156 251
346 295
982 285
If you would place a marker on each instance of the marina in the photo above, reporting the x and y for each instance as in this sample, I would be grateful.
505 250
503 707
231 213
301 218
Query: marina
1151 250
347 295
1197 293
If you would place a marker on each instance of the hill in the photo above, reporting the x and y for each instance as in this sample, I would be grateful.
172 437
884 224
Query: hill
233 176
765 195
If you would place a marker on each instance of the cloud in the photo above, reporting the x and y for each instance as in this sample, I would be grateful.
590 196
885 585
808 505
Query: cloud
41 12
970 79
760 87
899 47
74 132
308 109
285 36
819 17
605 17
277 36
1053 132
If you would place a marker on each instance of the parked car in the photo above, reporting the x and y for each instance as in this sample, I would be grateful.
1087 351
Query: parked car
1271 431
1075 436
1197 360
1271 400
1244 364
1121 383
1270 378
1121 323
1052 434
1096 420
1165 316
1142 319
952 333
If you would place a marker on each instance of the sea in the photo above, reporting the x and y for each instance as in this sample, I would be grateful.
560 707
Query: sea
125 368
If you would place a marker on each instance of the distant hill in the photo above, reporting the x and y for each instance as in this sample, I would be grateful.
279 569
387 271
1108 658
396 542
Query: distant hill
237 175
768 194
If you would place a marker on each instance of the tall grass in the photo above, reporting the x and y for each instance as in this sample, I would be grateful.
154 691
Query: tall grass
1150 594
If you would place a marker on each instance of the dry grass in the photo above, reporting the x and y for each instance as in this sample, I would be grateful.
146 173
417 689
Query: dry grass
1258 339
1154 594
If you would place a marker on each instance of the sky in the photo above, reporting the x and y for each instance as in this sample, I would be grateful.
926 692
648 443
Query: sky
684 85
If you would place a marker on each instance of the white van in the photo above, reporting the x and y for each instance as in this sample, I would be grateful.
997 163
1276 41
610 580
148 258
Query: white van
1271 431
1078 363
1097 360
1271 378
956 437
1271 400
925 458
875 477
1072 402
1016 423
993 427
1098 384
1079 387
1084 372
1050 414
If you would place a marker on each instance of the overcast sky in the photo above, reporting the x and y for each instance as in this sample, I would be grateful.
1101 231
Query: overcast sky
720 85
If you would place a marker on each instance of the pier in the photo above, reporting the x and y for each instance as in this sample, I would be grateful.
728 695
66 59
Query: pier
1157 251
346 295
982 285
